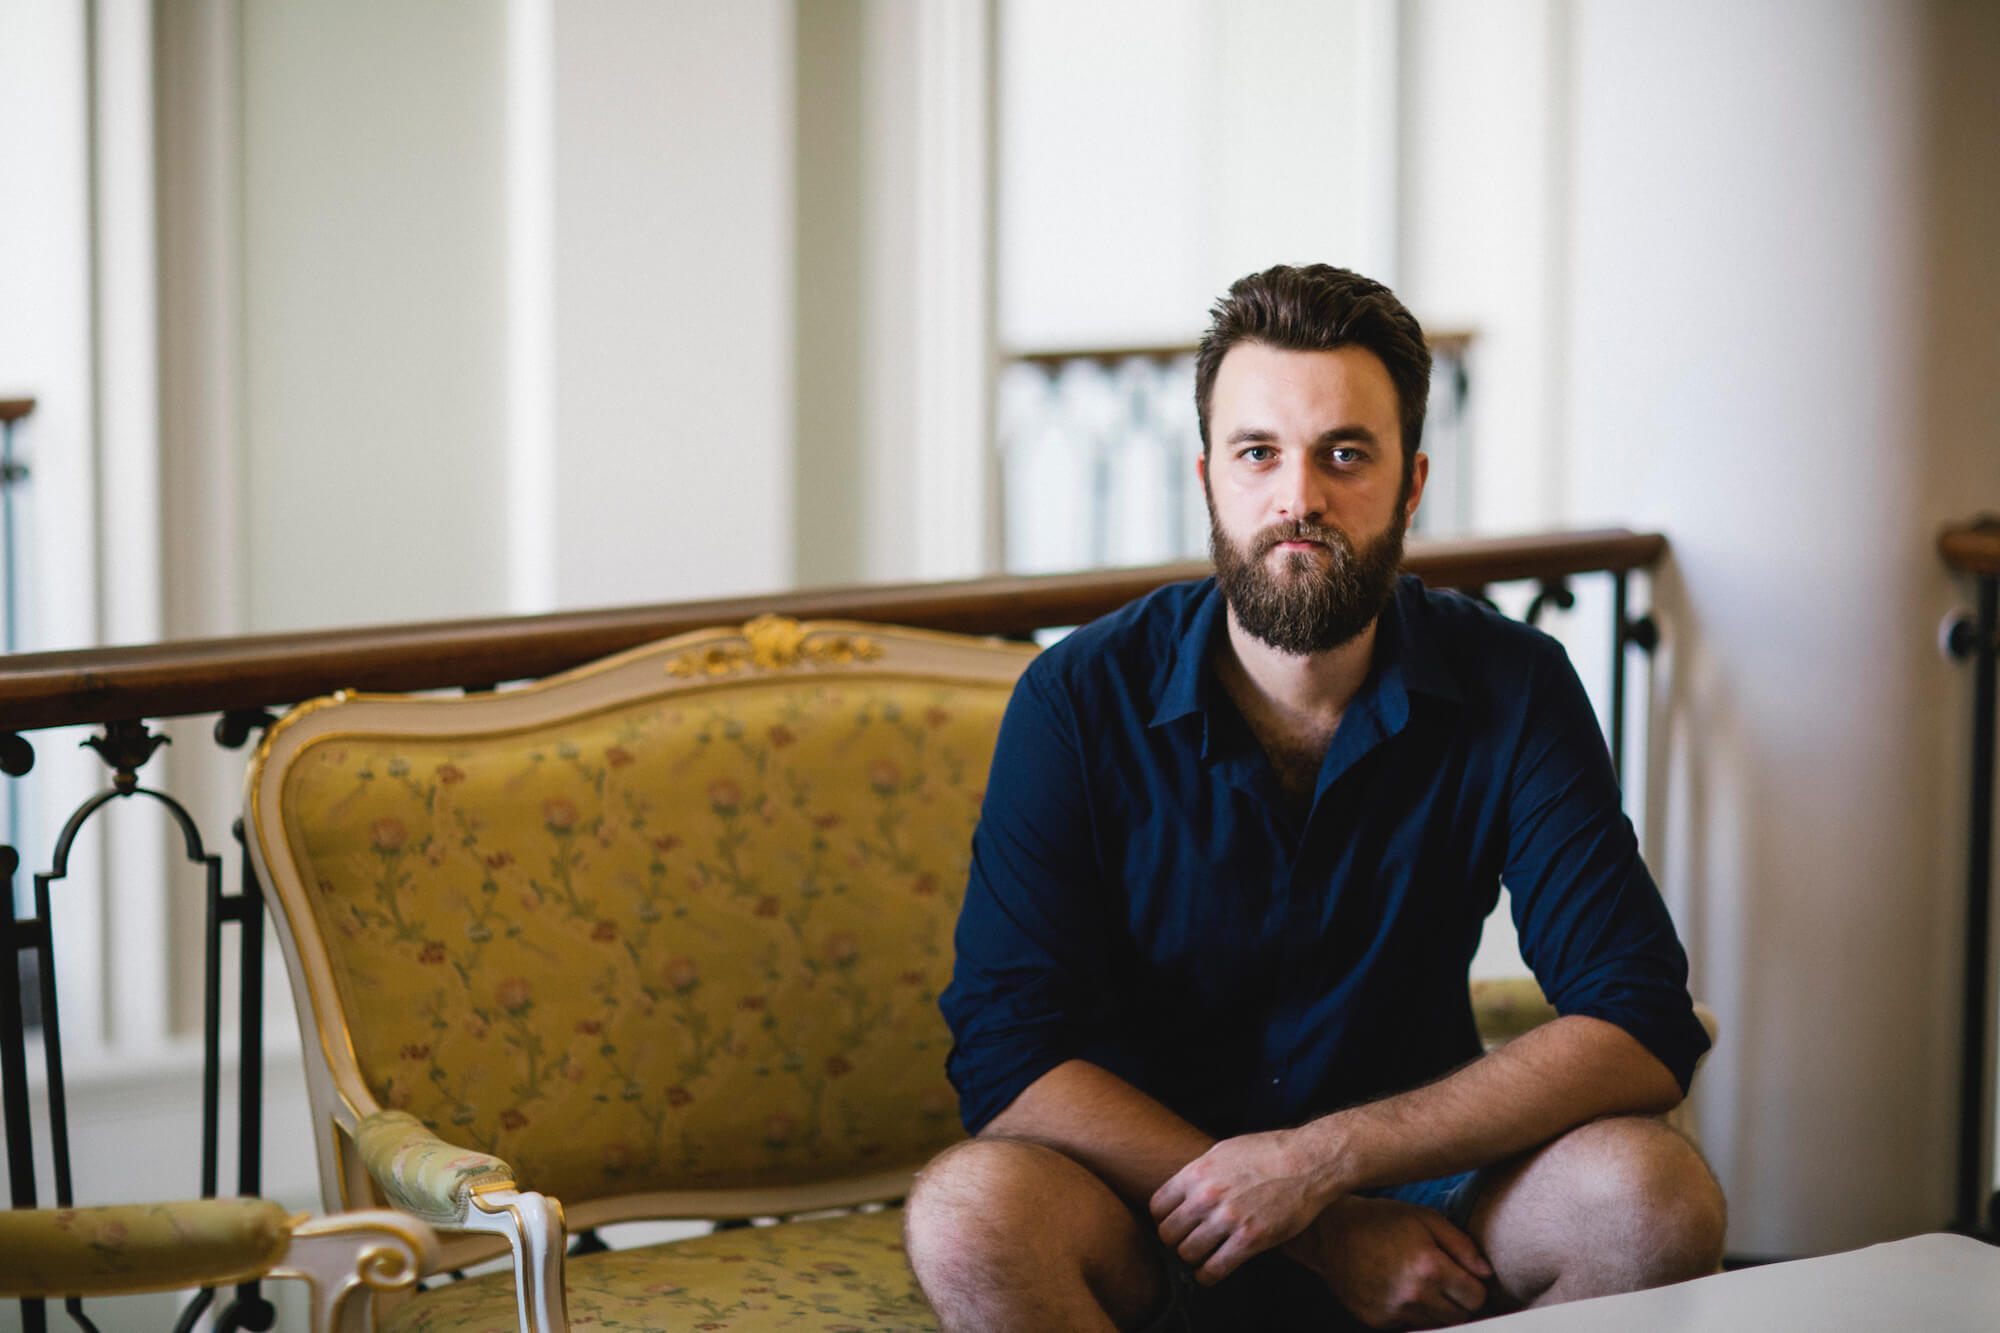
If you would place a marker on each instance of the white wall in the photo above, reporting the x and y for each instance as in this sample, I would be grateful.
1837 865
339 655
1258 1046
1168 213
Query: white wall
1151 152
1751 332
673 300
373 311
1099 129
383 305
1484 230
893 235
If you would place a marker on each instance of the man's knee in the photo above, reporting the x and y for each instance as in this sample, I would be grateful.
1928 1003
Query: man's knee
1644 1187
997 1212
1615 1205
995 1183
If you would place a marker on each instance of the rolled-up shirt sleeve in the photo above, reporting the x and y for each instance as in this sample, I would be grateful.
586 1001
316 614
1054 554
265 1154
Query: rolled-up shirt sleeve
1030 938
1591 921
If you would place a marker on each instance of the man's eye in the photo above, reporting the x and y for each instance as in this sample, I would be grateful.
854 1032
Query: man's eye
1258 453
1347 454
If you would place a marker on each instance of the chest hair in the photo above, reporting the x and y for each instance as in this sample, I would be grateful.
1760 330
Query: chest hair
1294 746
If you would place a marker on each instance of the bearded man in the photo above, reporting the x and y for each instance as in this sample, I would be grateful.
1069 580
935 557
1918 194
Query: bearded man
1213 1036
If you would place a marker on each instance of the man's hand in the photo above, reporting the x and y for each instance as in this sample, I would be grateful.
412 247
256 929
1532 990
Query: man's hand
1241 1197
1394 1264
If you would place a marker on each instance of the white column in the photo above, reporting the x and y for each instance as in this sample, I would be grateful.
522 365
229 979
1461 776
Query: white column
134 883
375 273
531 299
200 192
673 283
951 375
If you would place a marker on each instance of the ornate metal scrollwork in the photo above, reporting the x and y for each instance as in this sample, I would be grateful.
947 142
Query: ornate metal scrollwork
1643 632
233 728
1552 592
126 746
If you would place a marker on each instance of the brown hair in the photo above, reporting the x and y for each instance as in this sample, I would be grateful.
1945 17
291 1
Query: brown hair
1317 308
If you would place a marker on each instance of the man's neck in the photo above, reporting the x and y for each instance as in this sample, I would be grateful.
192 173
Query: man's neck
1311 689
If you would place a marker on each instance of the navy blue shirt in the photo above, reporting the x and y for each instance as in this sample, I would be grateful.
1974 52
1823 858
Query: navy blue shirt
1141 899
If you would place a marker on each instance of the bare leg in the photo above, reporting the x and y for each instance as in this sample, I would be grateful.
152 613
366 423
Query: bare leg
1615 1205
1009 1235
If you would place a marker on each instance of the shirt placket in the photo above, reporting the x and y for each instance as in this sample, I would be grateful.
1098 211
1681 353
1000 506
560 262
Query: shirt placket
1300 913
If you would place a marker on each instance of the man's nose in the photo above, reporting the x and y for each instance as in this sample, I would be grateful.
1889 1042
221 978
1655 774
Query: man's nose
1299 497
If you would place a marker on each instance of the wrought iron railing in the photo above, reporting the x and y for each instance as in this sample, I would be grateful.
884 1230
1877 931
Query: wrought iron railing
1974 549
244 682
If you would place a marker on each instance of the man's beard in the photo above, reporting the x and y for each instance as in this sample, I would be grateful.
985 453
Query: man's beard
1306 608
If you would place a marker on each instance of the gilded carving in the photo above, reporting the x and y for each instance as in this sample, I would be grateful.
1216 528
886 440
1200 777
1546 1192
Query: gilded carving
774 643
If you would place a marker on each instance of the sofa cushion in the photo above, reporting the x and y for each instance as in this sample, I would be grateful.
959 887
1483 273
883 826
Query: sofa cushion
827 1275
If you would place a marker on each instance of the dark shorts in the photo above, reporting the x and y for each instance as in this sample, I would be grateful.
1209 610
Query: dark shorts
1272 1294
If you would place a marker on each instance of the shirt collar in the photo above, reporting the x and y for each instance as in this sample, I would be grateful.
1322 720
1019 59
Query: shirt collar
1185 691
1406 645
1407 659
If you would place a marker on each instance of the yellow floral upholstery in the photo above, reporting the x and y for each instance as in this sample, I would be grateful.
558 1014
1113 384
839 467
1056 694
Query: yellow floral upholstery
691 942
53 1252
839 1273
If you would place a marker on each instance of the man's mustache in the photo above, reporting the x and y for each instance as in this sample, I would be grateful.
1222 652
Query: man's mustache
1300 531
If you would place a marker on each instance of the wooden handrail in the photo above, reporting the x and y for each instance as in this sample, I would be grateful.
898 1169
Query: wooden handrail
93 685
1973 547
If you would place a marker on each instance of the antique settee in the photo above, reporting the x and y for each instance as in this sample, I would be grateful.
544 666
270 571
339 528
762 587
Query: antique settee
660 937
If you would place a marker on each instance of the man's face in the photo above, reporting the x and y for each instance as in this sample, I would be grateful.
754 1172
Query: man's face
1306 504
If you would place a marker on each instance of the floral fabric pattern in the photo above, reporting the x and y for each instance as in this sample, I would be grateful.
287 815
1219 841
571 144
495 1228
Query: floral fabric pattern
830 1275
420 1172
53 1252
693 941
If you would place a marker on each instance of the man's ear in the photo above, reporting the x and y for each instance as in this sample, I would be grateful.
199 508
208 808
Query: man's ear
1420 471
1201 468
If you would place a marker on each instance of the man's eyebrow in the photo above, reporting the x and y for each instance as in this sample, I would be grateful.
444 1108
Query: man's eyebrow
1356 433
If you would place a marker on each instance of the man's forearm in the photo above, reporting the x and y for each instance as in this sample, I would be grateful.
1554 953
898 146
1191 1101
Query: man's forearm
1128 1139
1249 1193
1547 1081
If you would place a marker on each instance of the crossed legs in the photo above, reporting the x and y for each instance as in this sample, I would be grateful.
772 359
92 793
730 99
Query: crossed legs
1010 1235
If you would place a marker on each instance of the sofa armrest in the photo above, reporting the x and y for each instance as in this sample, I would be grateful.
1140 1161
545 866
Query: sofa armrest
465 1190
123 1248
347 1259
421 1173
